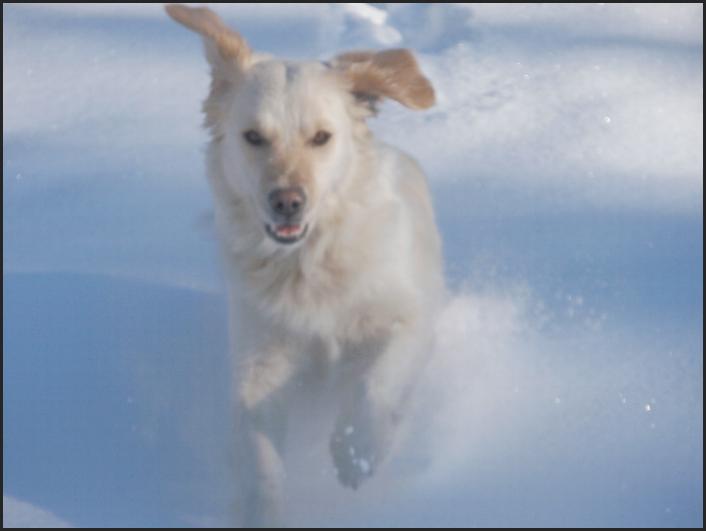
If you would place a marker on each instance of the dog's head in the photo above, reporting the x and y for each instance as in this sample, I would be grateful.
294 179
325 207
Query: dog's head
289 131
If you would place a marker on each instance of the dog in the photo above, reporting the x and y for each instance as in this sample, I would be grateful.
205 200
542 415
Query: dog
331 250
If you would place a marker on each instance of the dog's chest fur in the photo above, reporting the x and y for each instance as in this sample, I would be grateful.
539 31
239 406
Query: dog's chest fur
324 288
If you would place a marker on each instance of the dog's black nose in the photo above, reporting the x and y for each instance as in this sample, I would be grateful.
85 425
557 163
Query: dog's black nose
287 202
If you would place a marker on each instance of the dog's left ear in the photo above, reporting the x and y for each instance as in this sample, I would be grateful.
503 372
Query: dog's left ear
391 74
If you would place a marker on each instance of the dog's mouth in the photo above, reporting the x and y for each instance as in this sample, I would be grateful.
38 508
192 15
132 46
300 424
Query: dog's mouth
286 233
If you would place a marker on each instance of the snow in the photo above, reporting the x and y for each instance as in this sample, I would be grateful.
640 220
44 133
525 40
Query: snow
16 513
565 156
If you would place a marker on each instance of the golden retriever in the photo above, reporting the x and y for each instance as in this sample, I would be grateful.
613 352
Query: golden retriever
331 248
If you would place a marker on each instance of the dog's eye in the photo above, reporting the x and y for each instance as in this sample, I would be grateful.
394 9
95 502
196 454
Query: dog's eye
320 138
254 138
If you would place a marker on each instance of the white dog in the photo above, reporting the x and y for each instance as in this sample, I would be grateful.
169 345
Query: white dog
333 257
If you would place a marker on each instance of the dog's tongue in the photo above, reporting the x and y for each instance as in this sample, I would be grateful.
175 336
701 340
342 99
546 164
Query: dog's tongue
287 230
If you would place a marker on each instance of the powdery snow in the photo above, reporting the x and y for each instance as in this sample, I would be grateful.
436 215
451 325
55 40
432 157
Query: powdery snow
565 158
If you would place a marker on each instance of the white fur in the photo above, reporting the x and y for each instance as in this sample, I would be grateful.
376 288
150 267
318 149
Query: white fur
359 291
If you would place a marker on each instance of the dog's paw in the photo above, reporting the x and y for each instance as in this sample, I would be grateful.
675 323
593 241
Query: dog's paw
354 456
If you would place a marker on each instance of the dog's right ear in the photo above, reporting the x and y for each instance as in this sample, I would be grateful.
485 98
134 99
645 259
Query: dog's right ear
226 50
391 74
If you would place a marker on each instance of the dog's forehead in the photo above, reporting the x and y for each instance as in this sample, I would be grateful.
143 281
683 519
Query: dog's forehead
276 88
285 78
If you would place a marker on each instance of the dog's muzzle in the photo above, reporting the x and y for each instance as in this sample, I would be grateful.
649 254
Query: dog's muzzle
287 207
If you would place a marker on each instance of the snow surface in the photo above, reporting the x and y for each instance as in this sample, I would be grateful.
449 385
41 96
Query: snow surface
16 513
566 161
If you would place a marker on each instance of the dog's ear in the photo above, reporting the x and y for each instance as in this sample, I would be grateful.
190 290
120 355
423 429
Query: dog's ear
390 74
226 50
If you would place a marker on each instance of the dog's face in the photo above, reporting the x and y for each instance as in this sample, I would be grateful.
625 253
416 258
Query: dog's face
288 130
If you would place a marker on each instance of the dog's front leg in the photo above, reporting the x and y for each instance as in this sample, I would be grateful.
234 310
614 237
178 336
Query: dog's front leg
261 400
375 405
